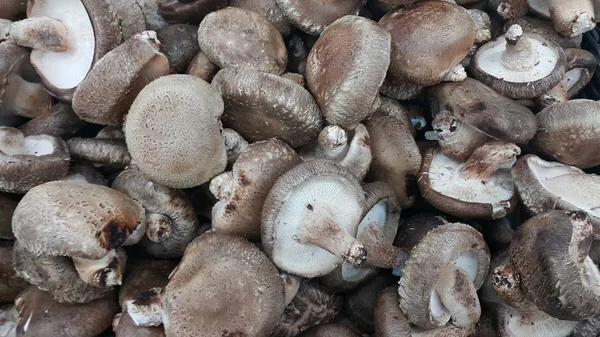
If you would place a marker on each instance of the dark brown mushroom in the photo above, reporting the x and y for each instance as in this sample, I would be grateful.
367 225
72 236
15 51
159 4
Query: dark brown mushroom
61 122
7 208
179 43
360 304
188 11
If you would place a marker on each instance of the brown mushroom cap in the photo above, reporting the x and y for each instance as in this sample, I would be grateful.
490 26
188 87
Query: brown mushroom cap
10 284
202 67
260 106
110 87
41 315
573 18
242 192
239 288
551 254
127 328
85 173
188 11
172 131
545 29
143 275
26 162
312 16
179 43
389 320
329 330
60 122
568 133
109 152
259 47
431 37
346 67
270 10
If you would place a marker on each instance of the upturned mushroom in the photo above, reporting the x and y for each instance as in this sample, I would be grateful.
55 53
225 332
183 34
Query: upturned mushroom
329 330
260 106
480 188
170 218
310 219
61 122
69 237
440 279
173 131
179 43
313 16
41 315
469 113
270 10
26 162
346 67
260 47
568 133
188 11
110 87
242 191
67 37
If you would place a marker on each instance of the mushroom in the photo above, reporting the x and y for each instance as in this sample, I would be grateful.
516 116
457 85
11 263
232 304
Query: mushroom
107 92
65 228
41 315
202 67
531 25
413 229
10 284
179 43
102 150
154 21
249 305
7 208
235 144
483 25
242 191
61 121
442 275
260 47
399 90
26 162
313 16
396 157
170 218
334 143
142 276
329 330
12 9
130 17
260 106
568 133
429 39
310 219
550 252
360 304
409 115
346 67
126 327
85 173
381 7
312 305
540 8
376 231
572 18
270 10
173 131
188 11
67 37
480 188
469 114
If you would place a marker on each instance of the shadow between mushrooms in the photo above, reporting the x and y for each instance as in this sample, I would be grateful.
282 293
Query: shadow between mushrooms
313 16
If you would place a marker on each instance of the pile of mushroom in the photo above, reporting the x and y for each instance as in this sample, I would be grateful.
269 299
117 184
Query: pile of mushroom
282 168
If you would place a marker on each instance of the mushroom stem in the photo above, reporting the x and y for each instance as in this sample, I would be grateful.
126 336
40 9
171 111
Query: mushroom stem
487 159
456 74
235 144
38 33
159 227
221 186
27 99
333 143
382 254
105 272
146 309
506 283
320 229
358 158
459 296
457 140
519 55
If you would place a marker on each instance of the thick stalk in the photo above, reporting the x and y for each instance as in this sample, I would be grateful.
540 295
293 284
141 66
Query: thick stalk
519 55
39 33
487 159
459 296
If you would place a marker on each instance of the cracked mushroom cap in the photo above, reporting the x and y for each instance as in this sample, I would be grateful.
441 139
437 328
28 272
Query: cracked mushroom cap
431 37
239 288
41 315
242 191
480 188
313 16
170 218
188 11
270 10
26 162
568 133
260 47
142 276
173 131
310 219
329 330
10 284
346 67
107 92
442 275
260 106
551 254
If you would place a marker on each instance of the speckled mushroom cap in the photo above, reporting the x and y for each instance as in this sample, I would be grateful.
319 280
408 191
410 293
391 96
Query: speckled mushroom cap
143 275
260 106
170 217
568 133
310 219
550 252
26 162
10 284
239 290
260 47
270 10
110 87
346 67
173 131
313 16
429 39
242 192
188 11
41 315
453 245
131 17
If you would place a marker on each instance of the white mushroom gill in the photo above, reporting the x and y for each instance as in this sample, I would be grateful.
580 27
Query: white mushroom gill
32 145
537 324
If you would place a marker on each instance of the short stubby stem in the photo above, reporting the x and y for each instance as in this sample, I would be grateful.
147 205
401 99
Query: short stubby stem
459 296
382 254
487 159
160 227
105 272
39 33
520 55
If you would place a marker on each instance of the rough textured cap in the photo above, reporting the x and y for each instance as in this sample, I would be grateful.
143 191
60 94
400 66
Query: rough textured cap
312 16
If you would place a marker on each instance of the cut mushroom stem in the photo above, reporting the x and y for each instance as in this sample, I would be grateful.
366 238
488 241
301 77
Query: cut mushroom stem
332 143
160 227
105 272
320 229
459 296
383 255
146 309
487 159
519 54
39 33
